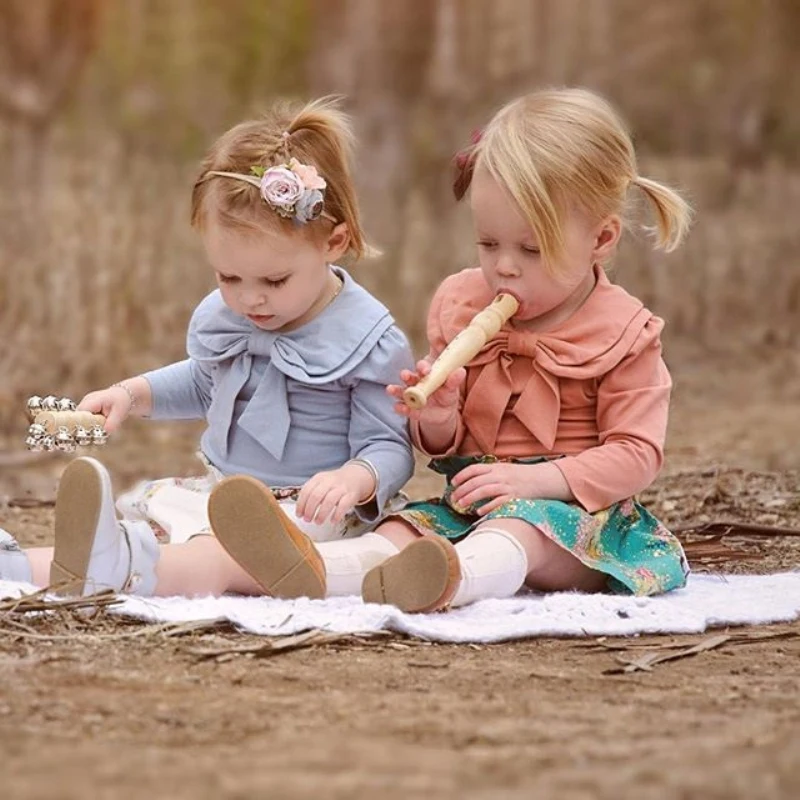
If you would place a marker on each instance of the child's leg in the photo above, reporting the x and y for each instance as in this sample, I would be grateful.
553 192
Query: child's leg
95 551
492 562
283 560
198 568
39 559
551 567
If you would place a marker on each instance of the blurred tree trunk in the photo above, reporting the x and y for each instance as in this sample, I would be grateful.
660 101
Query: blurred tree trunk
376 55
431 246
43 46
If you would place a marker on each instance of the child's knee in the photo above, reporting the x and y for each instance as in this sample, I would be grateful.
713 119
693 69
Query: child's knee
398 532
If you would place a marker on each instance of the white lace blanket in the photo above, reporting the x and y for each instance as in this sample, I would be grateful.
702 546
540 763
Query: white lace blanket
708 601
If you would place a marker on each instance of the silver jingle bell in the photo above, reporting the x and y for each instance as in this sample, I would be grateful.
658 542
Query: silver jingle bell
99 436
65 404
36 430
34 443
83 437
49 403
63 441
47 443
34 406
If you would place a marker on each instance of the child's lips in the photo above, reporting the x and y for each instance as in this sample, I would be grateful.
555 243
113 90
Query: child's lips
260 318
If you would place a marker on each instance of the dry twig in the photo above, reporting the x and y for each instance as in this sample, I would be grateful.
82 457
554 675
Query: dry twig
43 601
647 661
274 647
734 529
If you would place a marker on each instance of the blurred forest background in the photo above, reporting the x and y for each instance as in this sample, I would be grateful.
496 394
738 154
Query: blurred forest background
106 107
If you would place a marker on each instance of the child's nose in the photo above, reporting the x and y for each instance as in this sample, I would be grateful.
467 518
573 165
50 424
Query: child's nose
252 299
506 266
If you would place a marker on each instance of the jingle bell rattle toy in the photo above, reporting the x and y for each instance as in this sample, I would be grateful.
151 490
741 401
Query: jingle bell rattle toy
56 424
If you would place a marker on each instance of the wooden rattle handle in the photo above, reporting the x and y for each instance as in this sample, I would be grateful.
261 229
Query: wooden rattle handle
483 326
53 420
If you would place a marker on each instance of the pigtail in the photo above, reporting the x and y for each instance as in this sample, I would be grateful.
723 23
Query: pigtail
673 213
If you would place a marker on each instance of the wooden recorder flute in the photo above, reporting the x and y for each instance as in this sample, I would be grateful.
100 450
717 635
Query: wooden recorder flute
464 347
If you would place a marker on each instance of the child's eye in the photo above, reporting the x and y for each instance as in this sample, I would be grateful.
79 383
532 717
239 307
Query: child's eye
227 278
275 284
486 244
533 251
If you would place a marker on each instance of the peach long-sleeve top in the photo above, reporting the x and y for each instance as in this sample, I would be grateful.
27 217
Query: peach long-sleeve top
594 389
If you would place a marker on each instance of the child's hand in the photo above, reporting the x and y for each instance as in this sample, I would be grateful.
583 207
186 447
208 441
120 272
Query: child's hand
332 495
113 403
501 482
442 404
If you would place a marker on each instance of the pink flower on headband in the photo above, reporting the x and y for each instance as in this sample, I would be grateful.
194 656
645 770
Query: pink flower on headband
282 188
308 175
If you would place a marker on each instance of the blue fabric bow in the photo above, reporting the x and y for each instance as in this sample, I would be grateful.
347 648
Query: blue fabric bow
326 349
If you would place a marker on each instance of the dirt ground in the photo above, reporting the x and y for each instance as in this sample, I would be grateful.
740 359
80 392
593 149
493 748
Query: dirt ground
104 708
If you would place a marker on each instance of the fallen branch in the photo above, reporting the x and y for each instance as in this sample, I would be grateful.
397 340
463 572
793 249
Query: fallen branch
734 529
40 601
283 645
647 661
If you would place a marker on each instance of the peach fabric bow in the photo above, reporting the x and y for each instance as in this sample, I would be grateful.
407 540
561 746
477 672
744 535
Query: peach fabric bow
587 345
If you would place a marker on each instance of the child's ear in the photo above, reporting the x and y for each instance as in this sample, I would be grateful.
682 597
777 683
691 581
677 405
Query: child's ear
607 238
337 243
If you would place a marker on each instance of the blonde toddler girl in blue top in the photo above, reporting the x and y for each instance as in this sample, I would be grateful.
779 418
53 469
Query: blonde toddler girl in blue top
288 362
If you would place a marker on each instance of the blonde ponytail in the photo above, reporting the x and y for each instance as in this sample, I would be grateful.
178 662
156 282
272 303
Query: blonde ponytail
320 134
673 213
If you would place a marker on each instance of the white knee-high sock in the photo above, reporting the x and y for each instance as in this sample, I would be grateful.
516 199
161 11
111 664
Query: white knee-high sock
493 564
347 561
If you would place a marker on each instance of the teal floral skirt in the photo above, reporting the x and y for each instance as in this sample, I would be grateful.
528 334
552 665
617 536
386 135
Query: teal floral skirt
624 541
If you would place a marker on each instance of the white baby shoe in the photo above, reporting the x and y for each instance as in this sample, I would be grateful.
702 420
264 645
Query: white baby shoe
94 551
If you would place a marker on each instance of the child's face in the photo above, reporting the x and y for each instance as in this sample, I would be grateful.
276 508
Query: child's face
278 281
509 253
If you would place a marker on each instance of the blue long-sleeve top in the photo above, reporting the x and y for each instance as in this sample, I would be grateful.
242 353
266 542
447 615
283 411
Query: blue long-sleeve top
283 406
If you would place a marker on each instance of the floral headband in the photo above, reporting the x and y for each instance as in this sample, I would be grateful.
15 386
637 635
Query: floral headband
296 191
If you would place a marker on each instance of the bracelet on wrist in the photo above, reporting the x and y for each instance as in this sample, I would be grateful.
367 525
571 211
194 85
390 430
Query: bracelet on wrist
370 467
130 394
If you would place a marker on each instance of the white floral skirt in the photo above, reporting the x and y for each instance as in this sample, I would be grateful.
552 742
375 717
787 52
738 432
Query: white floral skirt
177 508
